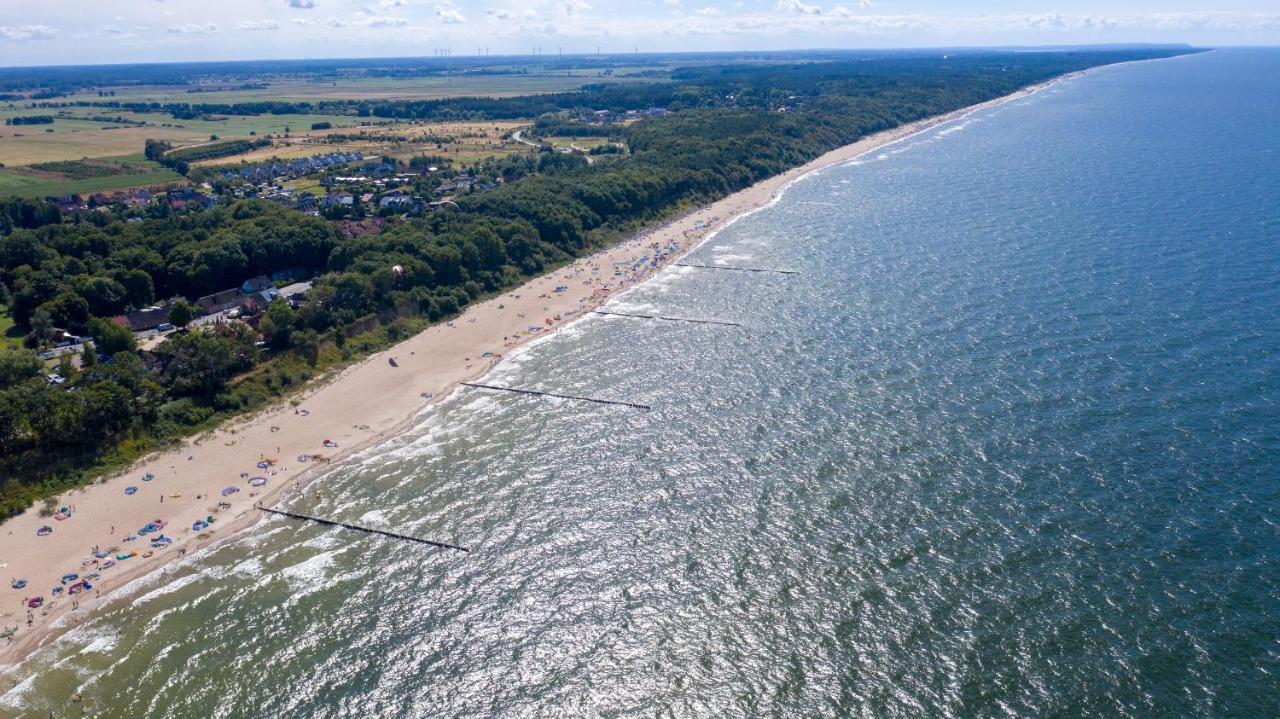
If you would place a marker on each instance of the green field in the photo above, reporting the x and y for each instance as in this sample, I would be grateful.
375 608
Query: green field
73 136
366 88
74 139
136 172
9 332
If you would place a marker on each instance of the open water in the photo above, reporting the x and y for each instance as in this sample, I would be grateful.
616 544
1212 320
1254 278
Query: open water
1008 446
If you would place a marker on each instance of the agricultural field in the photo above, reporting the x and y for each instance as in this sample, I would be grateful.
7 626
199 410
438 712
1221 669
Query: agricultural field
109 134
84 176
73 137
462 142
431 87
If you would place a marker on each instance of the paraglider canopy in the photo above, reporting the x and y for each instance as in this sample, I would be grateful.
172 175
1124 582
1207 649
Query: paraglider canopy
399 270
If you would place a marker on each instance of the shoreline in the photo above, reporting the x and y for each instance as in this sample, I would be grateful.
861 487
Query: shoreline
357 408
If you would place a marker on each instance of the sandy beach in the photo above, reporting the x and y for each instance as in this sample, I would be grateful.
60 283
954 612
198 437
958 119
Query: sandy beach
266 457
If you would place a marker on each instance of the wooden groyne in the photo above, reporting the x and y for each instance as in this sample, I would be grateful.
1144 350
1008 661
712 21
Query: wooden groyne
737 269
535 392
669 319
366 530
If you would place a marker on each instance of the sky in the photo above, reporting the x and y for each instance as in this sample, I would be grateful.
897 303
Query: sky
116 31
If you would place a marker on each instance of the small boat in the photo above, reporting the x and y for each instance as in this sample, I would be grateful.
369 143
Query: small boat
227 492
35 602
330 443
44 531
131 490
148 477
126 555
79 587
18 583
56 591
70 577
109 564
258 482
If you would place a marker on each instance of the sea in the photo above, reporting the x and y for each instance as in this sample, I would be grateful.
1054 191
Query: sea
1006 445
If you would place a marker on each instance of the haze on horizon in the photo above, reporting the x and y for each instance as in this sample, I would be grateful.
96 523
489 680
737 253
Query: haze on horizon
91 31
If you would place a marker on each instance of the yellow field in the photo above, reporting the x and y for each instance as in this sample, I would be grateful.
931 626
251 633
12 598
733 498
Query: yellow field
74 136
470 140
366 88
74 139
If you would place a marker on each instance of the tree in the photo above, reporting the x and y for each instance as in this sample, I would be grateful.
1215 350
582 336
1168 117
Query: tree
181 314
139 288
111 337
88 355
277 327
17 366
66 368
41 325
200 363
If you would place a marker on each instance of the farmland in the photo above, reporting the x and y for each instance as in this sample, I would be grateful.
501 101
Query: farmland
108 133
459 141
72 136
300 89
84 176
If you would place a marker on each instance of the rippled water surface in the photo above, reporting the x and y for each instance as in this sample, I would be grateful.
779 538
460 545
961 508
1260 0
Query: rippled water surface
1008 446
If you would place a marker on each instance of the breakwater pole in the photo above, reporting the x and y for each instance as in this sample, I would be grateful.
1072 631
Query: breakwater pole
358 528
737 269
669 319
495 388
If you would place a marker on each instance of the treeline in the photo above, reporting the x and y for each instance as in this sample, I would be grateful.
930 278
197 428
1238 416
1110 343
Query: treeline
61 275
18 213
726 135
180 159
29 120
558 126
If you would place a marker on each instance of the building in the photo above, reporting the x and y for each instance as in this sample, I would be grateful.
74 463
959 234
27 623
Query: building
255 285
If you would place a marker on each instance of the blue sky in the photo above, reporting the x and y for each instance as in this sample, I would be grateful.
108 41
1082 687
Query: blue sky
91 31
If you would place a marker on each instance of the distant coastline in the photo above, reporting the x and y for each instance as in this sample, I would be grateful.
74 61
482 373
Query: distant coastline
360 407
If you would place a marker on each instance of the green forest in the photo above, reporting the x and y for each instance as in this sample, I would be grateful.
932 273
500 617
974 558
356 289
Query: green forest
730 127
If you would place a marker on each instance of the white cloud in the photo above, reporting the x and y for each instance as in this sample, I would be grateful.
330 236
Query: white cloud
259 25
498 13
301 4
708 11
192 28
449 15
574 8
384 21
798 7
22 33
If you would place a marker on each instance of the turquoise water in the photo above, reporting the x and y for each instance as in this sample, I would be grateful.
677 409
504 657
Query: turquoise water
1008 446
